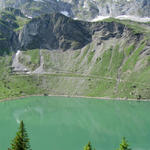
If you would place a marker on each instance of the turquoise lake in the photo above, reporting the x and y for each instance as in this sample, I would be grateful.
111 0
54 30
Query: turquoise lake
61 123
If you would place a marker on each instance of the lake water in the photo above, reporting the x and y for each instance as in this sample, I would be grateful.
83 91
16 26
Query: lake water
61 123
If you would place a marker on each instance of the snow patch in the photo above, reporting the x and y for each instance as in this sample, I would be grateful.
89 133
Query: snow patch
66 13
28 16
98 18
123 17
75 18
18 52
133 18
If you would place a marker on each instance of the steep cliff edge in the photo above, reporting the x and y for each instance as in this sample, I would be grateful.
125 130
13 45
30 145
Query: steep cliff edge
54 31
58 32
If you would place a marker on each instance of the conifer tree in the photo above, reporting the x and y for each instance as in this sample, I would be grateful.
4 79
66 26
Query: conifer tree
21 141
88 146
124 145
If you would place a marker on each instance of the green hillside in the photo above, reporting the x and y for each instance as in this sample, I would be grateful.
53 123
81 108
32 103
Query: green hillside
109 58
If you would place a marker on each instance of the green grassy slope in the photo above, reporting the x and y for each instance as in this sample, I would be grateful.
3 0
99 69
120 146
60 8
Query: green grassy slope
70 73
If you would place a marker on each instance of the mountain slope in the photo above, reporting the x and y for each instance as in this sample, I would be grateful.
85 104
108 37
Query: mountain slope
109 58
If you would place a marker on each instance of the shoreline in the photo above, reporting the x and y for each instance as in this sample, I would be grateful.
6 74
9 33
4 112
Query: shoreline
76 96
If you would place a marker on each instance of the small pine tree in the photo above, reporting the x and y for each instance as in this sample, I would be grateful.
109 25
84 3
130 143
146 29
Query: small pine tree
88 146
124 145
21 141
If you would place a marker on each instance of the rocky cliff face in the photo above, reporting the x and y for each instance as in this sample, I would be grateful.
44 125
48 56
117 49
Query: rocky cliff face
56 31
82 9
8 37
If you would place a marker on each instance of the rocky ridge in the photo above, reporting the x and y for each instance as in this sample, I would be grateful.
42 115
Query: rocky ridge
82 9
58 32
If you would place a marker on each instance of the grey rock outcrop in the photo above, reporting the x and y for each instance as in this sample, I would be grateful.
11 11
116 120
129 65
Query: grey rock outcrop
58 32
54 31
8 37
82 9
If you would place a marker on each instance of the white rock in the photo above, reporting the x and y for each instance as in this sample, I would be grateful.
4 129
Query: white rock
66 13
98 18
